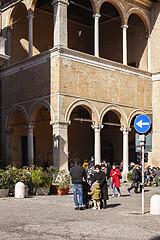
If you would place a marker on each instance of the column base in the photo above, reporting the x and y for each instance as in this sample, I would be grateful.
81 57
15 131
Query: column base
124 176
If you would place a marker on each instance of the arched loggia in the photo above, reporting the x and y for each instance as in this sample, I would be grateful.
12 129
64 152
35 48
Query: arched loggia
80 26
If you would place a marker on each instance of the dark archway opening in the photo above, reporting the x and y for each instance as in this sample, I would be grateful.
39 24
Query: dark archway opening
132 148
110 33
137 42
112 139
80 134
80 26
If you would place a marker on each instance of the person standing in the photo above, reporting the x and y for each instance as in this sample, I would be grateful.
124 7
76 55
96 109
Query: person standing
100 177
115 174
96 195
77 174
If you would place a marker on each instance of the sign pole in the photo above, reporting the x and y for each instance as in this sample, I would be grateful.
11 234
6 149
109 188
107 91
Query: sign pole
142 124
142 143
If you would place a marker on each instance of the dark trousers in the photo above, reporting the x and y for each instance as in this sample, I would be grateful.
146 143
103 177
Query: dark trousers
135 186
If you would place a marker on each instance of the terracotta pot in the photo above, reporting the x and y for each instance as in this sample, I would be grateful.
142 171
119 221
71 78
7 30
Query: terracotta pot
63 191
53 189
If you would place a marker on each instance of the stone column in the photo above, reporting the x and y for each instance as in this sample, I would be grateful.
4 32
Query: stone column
8 145
30 35
149 53
97 143
30 145
60 145
60 23
125 153
96 34
124 27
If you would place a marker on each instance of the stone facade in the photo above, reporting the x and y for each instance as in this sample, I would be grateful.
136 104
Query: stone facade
63 91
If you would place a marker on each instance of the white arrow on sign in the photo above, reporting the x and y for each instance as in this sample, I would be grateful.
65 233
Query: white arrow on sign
141 124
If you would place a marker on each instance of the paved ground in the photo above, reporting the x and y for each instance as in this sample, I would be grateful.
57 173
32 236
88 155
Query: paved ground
54 217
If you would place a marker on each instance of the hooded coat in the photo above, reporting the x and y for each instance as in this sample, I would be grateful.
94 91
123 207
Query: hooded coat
115 177
101 178
96 192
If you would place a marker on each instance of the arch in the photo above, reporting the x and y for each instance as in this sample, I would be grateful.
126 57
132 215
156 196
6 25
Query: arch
33 4
87 105
12 13
94 6
133 114
120 8
36 107
12 110
142 15
118 111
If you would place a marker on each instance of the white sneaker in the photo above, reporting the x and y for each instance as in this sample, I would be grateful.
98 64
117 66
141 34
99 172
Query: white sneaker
119 194
98 208
113 195
93 208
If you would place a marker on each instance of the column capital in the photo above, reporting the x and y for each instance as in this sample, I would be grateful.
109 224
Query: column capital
60 124
30 127
125 130
96 15
97 127
62 2
30 14
124 26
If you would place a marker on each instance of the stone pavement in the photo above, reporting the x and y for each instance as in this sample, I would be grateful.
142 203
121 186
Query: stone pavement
54 217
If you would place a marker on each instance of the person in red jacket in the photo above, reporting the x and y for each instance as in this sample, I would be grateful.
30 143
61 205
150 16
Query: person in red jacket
115 174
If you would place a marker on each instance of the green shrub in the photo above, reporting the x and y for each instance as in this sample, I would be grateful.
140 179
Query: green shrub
40 178
129 176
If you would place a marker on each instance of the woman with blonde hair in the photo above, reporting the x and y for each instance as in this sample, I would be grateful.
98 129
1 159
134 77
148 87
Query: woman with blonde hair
136 178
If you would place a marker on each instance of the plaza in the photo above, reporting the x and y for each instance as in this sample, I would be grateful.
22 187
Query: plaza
54 217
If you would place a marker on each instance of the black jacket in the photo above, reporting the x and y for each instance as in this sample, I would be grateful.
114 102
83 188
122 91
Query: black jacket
101 178
77 174
136 175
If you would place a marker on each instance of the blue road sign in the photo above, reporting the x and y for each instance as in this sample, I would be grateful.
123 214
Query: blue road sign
142 124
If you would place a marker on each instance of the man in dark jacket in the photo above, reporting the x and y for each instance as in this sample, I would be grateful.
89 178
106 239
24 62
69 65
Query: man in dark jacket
77 174
100 177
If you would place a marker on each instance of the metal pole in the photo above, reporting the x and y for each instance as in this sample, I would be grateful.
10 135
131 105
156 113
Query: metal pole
142 141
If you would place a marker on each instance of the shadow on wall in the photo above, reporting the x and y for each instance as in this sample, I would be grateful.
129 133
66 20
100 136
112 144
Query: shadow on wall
60 157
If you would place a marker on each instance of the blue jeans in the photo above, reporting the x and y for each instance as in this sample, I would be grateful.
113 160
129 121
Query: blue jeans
78 188
114 188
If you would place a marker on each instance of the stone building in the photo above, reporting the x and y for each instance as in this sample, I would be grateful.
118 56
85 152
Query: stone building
79 73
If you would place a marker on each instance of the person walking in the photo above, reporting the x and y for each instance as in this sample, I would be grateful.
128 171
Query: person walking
96 195
115 174
100 177
77 174
136 176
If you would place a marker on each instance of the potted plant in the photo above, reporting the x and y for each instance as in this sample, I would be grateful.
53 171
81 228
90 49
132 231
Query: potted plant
4 186
54 185
63 179
41 181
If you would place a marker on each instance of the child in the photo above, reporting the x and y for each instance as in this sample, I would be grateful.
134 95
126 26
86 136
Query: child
96 195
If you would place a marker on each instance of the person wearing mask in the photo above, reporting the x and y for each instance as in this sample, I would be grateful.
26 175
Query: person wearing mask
136 176
100 177
115 174
77 174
